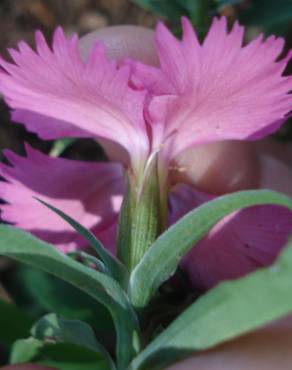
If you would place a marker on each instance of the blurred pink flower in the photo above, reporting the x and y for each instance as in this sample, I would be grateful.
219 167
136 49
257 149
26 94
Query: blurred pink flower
88 191
200 93
238 244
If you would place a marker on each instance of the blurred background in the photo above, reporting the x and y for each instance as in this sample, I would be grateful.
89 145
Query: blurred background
33 292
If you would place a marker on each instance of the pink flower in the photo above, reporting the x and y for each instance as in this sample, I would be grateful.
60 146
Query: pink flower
200 93
216 90
57 94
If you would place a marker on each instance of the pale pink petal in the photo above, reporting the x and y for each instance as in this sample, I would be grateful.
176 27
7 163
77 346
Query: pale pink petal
115 152
89 192
150 78
216 90
89 98
237 245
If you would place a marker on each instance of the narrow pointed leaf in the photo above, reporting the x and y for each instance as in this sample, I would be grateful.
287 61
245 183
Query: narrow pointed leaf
25 248
231 309
163 257
116 269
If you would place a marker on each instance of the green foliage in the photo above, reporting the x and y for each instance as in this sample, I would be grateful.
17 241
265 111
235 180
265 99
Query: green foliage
113 265
54 295
62 356
228 2
163 257
228 310
273 16
27 249
14 323
51 335
198 11
170 10
52 327
24 350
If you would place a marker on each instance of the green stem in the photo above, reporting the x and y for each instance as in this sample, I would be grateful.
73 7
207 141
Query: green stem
141 218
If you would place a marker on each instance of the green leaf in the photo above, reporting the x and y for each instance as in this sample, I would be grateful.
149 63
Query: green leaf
65 356
25 350
269 14
116 269
55 295
163 257
52 327
228 2
61 356
198 11
25 248
172 10
14 323
231 309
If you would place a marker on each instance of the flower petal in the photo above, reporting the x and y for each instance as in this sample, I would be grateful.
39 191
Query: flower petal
46 126
85 98
91 193
216 90
237 245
